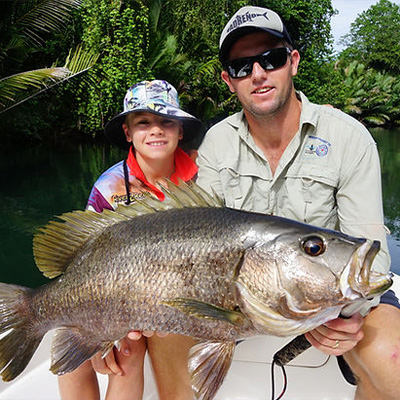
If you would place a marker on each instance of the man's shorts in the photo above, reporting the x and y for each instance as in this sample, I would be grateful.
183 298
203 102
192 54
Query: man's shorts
388 298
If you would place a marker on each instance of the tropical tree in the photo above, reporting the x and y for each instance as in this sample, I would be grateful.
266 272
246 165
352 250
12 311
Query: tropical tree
165 57
374 38
119 31
23 28
370 96
18 88
146 40
175 40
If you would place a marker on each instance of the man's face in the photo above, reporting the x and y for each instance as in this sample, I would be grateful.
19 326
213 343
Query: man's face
263 92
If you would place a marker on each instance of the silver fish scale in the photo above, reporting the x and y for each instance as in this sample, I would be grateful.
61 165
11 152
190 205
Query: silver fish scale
132 267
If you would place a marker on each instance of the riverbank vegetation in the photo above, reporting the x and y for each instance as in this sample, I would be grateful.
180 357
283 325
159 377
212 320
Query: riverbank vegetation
114 44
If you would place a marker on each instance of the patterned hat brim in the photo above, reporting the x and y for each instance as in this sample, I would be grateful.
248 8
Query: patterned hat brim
192 126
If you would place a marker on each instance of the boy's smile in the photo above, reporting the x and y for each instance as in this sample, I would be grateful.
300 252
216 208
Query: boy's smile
152 136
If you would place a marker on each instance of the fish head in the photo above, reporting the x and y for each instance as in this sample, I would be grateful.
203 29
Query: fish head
295 277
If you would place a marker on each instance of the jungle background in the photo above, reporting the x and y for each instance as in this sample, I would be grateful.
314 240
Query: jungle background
82 55
65 66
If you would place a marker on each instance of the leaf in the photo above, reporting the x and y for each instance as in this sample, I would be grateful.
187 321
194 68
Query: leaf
45 17
21 87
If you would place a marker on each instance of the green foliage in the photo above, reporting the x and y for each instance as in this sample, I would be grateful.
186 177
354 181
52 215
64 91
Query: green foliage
119 31
164 55
177 40
23 86
197 27
26 25
24 28
371 96
374 38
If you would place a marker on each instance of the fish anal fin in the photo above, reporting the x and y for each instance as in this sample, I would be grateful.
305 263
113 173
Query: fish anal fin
71 348
201 309
209 363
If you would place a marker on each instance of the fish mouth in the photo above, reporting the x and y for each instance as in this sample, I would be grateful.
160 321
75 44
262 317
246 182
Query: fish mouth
358 278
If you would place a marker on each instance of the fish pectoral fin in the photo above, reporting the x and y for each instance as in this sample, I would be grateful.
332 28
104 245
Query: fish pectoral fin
209 363
201 309
70 348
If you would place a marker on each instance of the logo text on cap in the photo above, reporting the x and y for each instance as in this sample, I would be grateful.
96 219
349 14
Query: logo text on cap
242 19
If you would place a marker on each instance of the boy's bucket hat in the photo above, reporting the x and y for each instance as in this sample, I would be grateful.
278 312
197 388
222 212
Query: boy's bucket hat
157 97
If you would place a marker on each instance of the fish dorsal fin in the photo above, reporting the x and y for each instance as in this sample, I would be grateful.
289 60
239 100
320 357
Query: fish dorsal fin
209 363
57 242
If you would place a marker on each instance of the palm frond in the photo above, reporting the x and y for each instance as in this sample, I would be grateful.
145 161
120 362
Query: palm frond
81 59
21 87
46 16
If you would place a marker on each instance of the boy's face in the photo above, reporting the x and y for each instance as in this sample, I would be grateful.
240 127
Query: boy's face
152 136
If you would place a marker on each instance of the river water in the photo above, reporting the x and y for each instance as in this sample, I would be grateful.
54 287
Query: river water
47 180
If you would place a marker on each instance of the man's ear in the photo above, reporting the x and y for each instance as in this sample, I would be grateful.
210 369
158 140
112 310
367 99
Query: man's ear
227 79
295 60
128 137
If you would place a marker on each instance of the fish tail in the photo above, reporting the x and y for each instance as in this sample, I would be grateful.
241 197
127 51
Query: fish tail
18 338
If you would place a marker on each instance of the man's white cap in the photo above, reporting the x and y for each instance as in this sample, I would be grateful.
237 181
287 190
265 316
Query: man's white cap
247 20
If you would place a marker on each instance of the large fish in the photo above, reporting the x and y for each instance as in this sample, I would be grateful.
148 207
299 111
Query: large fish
186 265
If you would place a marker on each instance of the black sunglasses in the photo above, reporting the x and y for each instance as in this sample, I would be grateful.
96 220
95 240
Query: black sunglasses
272 59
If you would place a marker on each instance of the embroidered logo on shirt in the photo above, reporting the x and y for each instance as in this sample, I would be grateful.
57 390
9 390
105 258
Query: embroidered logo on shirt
115 198
316 146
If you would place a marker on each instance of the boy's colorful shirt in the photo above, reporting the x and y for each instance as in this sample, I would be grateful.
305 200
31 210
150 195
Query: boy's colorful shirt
109 190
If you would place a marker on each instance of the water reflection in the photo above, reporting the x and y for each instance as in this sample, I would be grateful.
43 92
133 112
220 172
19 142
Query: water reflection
35 185
47 180
388 142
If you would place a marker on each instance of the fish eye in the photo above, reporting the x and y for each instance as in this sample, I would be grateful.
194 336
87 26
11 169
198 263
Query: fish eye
313 246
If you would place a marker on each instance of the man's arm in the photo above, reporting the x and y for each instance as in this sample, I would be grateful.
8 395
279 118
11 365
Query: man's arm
360 206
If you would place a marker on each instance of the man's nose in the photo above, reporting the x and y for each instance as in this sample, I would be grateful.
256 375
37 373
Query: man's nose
257 70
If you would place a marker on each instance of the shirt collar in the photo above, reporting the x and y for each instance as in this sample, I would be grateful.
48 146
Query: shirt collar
309 111
185 169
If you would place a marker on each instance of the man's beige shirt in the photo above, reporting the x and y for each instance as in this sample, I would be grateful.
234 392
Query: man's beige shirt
328 176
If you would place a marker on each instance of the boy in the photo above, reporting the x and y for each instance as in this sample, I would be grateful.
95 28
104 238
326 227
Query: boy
152 126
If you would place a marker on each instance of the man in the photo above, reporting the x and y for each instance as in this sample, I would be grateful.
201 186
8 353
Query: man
283 155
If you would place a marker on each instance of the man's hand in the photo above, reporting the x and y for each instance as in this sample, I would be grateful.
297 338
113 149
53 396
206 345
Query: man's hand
338 336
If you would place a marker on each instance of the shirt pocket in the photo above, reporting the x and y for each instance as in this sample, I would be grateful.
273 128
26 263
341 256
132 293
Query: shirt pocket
244 188
310 195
